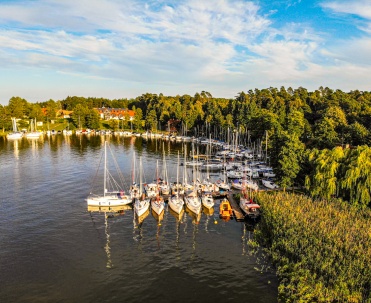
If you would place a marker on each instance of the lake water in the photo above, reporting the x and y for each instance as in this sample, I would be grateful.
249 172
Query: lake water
52 249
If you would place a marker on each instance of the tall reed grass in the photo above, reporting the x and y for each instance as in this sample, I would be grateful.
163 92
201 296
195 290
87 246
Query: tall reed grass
321 249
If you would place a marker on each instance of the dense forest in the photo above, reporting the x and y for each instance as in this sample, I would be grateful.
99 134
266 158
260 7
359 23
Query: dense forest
317 139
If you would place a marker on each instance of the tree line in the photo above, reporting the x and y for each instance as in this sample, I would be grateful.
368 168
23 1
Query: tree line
302 129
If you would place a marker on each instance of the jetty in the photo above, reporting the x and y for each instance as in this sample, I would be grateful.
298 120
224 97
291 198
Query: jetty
239 216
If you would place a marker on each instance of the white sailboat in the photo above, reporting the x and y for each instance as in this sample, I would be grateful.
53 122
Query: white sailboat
141 204
15 134
163 184
134 189
192 200
111 197
33 134
207 199
176 203
157 202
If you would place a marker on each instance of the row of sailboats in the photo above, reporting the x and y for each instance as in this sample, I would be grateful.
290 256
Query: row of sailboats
144 197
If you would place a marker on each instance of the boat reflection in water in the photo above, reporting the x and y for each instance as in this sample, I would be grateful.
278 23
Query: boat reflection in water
178 217
158 217
195 217
109 212
209 212
139 220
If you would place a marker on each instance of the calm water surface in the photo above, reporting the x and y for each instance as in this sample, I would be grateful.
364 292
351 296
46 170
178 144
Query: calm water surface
52 249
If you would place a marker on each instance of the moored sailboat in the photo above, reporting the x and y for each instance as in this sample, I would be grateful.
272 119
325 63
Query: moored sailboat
141 204
110 197
15 134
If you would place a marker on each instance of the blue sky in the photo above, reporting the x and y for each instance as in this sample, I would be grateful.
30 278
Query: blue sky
51 49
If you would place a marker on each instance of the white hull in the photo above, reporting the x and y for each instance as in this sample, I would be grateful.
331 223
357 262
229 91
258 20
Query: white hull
141 206
33 135
176 204
207 201
193 203
269 184
16 135
158 206
108 200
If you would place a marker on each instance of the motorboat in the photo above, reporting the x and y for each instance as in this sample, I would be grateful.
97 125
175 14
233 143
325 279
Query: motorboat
269 184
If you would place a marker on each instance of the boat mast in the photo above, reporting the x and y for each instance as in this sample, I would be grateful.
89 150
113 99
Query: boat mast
105 168
177 177
133 171
140 178
185 166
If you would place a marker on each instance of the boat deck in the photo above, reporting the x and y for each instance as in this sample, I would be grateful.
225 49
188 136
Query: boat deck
238 214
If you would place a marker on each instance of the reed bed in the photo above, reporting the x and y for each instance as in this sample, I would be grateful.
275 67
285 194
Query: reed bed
321 249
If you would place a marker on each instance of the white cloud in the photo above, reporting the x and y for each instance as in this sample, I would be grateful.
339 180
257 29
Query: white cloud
360 8
223 46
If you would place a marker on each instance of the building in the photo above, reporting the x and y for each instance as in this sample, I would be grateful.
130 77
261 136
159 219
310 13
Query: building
107 113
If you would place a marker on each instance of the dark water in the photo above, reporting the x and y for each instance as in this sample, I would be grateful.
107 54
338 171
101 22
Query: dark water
52 249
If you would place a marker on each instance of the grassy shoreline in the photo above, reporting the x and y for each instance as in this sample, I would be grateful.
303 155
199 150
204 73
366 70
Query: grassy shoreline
321 249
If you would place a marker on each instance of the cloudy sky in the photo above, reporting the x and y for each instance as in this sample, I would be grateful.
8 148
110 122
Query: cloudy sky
51 49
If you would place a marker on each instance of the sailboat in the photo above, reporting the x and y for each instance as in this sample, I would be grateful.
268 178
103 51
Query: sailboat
163 184
207 199
157 202
110 197
33 134
141 204
134 189
176 203
191 198
15 134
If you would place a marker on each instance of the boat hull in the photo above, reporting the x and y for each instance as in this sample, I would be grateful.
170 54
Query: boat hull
141 206
109 200
193 203
176 204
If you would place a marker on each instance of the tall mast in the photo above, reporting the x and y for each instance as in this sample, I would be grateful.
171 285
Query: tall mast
140 176
177 177
133 172
105 168
185 165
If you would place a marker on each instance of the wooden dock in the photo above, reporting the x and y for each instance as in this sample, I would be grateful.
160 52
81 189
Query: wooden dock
238 214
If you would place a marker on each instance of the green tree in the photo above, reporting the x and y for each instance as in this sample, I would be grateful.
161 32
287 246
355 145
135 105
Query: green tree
80 112
325 134
137 122
93 120
151 120
5 118
323 181
356 176
287 156
17 107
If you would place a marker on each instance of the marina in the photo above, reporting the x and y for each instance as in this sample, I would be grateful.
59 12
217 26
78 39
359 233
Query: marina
58 248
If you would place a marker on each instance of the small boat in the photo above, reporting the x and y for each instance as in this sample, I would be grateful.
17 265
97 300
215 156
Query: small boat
207 199
141 204
158 205
225 209
193 202
249 207
269 184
